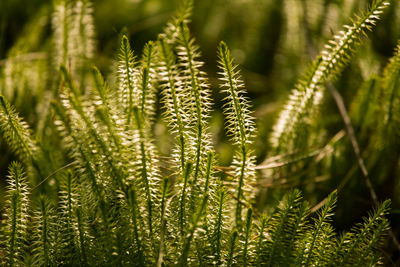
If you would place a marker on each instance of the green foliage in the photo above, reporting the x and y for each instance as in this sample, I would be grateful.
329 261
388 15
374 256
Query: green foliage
14 228
17 133
291 129
43 236
73 35
240 125
103 194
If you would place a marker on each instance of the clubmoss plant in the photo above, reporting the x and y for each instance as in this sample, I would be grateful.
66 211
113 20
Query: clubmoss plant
103 195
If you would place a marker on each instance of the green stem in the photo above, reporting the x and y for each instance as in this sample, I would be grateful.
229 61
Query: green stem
127 59
246 240
219 224
232 248
144 173
14 202
81 237
188 169
260 241
44 232
134 208
163 224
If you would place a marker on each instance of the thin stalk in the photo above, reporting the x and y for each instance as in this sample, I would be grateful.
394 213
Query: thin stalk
163 224
144 168
14 205
219 224
188 170
134 208
246 239
127 63
238 211
210 158
44 232
84 260
232 248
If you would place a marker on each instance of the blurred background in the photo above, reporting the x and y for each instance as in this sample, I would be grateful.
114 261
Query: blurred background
274 42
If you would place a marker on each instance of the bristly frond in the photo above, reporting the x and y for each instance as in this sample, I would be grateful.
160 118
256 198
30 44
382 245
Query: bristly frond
107 111
107 167
317 245
214 226
171 31
73 35
44 233
240 126
392 69
192 230
74 141
219 225
173 98
194 79
240 123
82 32
177 112
390 105
198 103
286 225
359 247
71 244
67 235
14 233
185 96
17 133
260 239
61 26
309 91
127 75
111 156
147 79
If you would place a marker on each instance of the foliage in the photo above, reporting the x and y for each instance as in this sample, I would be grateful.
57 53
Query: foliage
94 188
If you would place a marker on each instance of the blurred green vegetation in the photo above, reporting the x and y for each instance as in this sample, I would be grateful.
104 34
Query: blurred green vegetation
274 42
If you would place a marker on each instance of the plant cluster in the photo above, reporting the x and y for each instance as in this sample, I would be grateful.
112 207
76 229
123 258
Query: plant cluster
90 187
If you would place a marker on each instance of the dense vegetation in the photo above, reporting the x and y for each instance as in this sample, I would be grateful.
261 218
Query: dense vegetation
127 163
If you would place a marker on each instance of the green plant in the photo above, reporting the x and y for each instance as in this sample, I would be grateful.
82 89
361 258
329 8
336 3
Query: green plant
100 192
